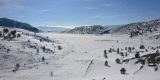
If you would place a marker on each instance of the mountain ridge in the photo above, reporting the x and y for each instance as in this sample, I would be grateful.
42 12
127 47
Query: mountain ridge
144 26
5 22
95 29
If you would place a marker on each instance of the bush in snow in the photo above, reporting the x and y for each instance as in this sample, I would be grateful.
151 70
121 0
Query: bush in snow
126 48
16 67
29 40
40 40
117 50
129 49
59 47
137 55
18 35
118 61
106 63
13 33
152 60
146 50
156 69
122 54
51 74
8 50
157 52
43 58
43 48
142 47
105 54
110 50
5 31
123 71
0 34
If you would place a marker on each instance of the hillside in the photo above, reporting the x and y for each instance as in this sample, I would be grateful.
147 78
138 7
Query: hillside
139 28
25 55
16 24
103 57
95 29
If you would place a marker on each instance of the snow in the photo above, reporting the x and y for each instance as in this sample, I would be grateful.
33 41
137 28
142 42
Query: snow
71 63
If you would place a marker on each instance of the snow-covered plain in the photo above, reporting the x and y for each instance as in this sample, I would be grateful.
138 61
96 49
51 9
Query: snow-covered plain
72 62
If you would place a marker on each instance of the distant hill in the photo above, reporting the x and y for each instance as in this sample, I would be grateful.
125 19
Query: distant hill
52 29
139 27
95 29
113 26
16 24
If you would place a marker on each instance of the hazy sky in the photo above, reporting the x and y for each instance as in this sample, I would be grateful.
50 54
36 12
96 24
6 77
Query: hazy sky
79 12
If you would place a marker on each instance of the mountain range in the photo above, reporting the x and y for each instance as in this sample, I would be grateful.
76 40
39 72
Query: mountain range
136 28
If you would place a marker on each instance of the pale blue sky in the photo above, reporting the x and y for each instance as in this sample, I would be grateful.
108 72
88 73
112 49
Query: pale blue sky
80 12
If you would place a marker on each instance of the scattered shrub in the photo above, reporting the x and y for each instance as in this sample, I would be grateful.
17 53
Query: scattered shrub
117 50
18 35
0 34
123 71
142 47
118 61
106 63
5 30
13 33
59 47
137 55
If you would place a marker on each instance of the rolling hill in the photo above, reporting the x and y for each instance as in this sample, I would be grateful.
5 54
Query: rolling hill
139 27
95 29
16 24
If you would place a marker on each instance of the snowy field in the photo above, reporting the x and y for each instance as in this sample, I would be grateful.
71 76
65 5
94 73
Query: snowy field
85 48
81 58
